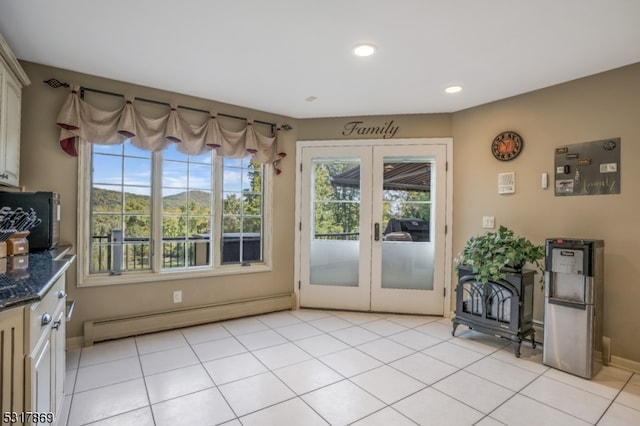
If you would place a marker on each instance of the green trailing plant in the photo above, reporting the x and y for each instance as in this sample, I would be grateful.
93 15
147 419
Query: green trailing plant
493 254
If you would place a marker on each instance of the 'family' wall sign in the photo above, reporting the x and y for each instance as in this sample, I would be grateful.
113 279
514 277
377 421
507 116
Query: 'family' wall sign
387 130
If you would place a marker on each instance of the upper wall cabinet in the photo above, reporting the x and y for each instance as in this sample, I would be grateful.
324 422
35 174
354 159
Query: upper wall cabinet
12 80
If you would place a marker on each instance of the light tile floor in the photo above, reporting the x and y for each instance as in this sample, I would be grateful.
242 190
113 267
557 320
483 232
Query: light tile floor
312 367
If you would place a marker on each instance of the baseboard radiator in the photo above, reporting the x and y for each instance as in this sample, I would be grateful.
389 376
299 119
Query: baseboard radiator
133 325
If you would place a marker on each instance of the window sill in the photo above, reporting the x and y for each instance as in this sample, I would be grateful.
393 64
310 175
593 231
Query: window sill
147 277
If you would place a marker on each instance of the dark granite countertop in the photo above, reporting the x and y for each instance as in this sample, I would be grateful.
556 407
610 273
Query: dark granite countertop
21 285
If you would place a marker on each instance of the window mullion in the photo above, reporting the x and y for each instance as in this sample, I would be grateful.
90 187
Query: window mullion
156 211
267 213
217 225
84 210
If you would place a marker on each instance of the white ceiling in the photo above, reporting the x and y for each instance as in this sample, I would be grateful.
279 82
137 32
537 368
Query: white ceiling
273 55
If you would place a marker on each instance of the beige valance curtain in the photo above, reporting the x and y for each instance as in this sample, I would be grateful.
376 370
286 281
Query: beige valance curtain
79 119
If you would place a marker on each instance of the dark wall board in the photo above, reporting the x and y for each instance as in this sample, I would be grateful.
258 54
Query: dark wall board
588 168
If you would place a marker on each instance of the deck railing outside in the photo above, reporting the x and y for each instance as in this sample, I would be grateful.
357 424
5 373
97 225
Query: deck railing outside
136 251
176 252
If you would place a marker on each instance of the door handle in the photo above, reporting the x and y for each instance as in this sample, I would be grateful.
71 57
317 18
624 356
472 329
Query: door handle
376 231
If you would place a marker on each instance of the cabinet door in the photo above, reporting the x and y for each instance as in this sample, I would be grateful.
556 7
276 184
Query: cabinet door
11 361
10 106
45 363
45 367
39 369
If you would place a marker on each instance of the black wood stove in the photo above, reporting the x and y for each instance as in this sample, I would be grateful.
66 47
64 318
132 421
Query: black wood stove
503 308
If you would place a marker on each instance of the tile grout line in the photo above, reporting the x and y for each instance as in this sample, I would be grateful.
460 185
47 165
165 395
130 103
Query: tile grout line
616 397
215 385
144 380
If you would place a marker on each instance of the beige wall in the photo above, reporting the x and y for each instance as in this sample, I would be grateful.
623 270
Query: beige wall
44 166
596 107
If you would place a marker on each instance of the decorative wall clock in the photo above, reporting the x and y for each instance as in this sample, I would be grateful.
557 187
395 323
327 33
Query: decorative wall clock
506 146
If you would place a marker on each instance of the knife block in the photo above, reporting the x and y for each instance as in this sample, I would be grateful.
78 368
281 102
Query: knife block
18 244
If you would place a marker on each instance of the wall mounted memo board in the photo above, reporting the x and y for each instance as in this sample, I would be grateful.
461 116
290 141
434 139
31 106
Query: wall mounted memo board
588 168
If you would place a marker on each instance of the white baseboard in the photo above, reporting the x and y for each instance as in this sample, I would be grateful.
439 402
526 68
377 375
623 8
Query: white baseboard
75 342
625 364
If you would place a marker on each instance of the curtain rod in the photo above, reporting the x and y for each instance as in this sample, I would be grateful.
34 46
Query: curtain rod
56 83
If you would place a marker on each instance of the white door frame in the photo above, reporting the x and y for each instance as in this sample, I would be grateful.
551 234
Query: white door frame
448 243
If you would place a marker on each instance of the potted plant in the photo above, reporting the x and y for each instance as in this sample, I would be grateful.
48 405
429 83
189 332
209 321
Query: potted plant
493 254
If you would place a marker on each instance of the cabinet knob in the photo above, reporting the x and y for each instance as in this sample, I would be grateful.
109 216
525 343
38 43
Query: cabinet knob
46 319
62 294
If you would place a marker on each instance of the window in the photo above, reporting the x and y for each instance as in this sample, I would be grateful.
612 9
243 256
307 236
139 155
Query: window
242 211
187 186
156 215
120 208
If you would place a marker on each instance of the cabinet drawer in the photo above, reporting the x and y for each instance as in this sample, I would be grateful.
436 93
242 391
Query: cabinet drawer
41 315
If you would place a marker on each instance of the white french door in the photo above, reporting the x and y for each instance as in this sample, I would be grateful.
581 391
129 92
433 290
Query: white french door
372 226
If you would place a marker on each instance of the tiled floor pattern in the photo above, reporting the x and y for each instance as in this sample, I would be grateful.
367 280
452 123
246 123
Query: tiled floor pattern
310 367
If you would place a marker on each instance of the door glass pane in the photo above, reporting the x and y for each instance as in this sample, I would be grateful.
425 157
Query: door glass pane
407 246
335 210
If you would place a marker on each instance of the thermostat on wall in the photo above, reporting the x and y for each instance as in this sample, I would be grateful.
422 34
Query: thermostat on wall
506 183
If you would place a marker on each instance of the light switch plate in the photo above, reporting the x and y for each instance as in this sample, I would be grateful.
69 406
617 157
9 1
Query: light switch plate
488 222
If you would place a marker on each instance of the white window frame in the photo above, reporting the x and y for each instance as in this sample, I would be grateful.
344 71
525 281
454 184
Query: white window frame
85 279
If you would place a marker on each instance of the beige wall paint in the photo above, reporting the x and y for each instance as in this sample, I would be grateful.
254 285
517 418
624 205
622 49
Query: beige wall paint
596 107
44 166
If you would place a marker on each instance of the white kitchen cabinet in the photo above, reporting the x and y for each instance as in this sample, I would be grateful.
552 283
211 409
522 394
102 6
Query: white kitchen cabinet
12 80
32 340
45 348
33 315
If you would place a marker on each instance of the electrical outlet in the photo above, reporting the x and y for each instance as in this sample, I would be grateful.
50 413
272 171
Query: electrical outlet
488 222
177 296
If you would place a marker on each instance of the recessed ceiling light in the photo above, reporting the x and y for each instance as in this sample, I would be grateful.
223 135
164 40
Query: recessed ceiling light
364 49
453 89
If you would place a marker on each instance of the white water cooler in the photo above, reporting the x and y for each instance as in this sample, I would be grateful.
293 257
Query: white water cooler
573 308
